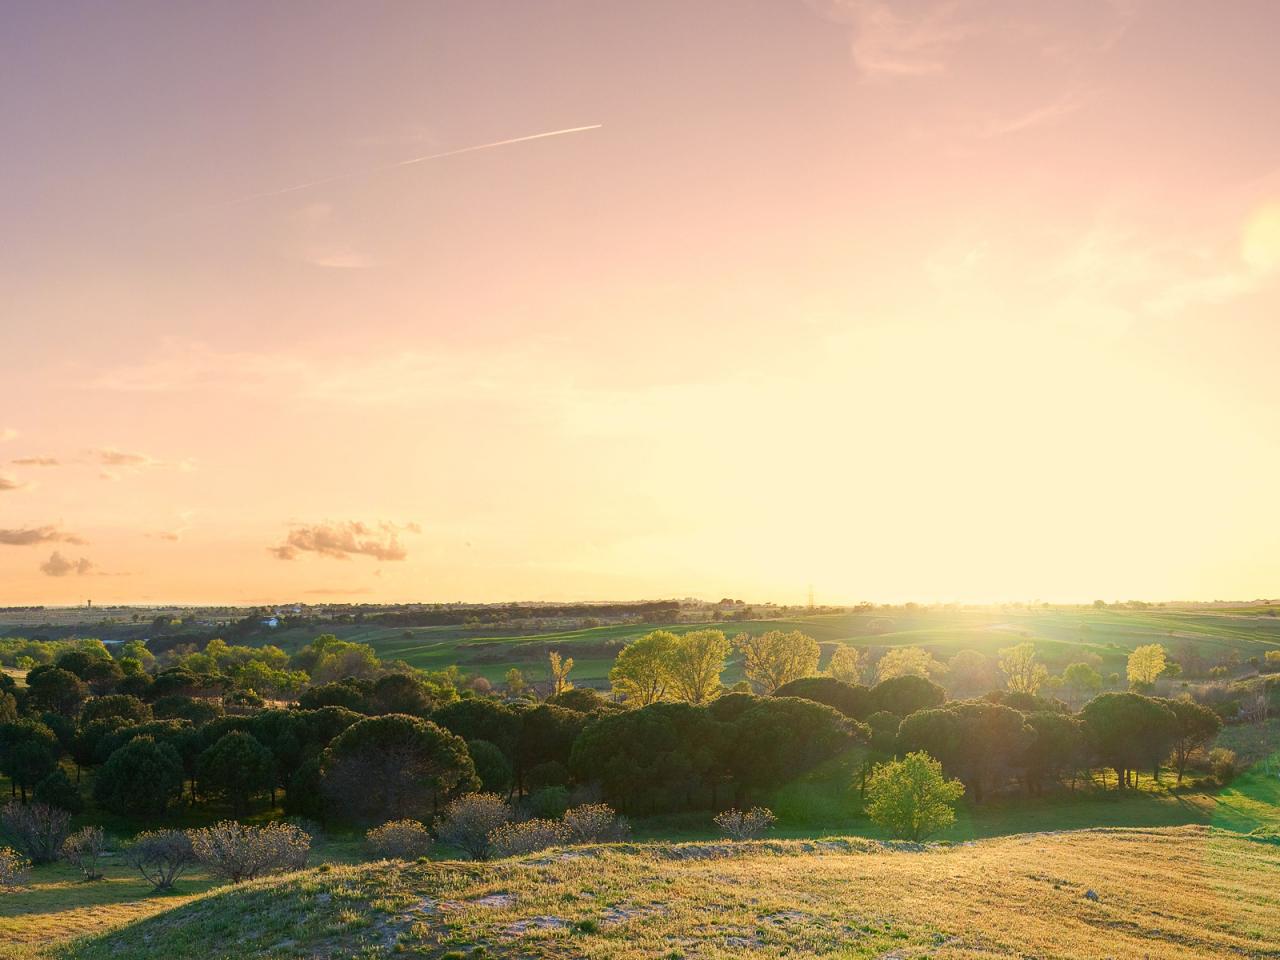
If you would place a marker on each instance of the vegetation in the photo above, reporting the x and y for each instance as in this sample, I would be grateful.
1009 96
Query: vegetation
911 798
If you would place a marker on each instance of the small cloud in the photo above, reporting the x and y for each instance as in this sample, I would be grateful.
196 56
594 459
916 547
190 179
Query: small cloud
337 591
119 458
342 541
29 536
59 566
8 433
171 535
36 462
8 483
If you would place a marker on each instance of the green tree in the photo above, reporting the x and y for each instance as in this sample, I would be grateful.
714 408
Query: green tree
846 664
395 766
697 660
142 778
911 798
1128 732
641 672
1146 663
559 667
903 696
235 769
1081 682
28 753
853 700
908 662
127 708
774 658
1023 673
1195 727
56 689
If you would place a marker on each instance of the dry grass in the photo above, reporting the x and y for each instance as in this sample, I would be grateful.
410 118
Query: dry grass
1181 893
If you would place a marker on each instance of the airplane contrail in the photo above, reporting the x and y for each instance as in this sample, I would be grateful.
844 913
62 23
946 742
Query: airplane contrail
405 163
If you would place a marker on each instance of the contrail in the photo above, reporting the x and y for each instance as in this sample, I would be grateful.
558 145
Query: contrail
405 163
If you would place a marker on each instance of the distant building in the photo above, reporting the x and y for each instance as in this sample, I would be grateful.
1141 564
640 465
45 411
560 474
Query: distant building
271 622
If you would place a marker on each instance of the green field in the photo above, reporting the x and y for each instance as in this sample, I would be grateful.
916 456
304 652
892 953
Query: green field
1060 635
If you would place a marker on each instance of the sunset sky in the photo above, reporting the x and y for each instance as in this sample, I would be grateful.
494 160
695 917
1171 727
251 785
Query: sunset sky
922 300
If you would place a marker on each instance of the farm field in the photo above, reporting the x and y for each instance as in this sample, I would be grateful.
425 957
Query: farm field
1060 635
1009 897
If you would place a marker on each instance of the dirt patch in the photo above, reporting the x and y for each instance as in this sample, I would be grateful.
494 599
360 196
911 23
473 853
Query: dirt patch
534 923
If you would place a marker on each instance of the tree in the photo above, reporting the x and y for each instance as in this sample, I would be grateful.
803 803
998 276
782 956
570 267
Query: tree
1023 673
161 856
1056 748
400 693
37 830
140 779
236 769
516 683
492 766
970 673
84 850
775 658
641 672
559 668
394 766
911 798
903 696
52 688
1129 731
1146 663
57 790
697 660
1195 726
479 718
908 662
853 700
546 735
1081 682
125 707
846 664
28 753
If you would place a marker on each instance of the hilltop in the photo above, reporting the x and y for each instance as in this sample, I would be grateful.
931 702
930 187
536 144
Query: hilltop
1180 893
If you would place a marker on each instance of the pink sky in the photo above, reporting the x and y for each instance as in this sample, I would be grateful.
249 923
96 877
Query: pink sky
931 300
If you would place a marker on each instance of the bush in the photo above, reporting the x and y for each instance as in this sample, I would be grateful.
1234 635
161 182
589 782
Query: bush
57 790
550 802
737 825
1223 764
37 828
468 821
528 836
161 856
238 852
83 849
14 868
911 798
595 823
399 840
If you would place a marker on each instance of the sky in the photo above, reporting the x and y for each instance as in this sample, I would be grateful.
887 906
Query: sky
931 300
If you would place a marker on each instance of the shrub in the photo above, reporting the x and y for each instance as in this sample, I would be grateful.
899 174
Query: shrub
83 849
1223 764
911 798
468 821
57 790
595 823
399 840
238 852
161 856
37 828
14 868
550 803
528 836
737 825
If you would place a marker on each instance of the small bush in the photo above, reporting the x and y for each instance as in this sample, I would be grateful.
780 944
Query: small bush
528 836
1223 764
14 868
161 856
595 823
237 852
37 829
468 821
399 840
737 825
57 790
550 803
83 849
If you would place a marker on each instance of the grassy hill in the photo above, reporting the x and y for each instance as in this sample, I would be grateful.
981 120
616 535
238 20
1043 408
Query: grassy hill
1060 635
1178 893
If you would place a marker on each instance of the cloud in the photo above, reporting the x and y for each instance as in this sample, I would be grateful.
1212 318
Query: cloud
171 535
8 433
337 591
59 566
29 536
342 541
119 458
36 462
8 483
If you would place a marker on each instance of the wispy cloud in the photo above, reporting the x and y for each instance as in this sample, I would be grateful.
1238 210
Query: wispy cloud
344 540
36 462
59 566
120 458
9 483
29 536
338 591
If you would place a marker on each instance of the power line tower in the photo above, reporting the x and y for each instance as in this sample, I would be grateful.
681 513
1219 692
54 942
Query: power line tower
811 596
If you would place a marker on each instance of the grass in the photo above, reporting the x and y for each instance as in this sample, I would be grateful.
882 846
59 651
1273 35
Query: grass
1177 893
